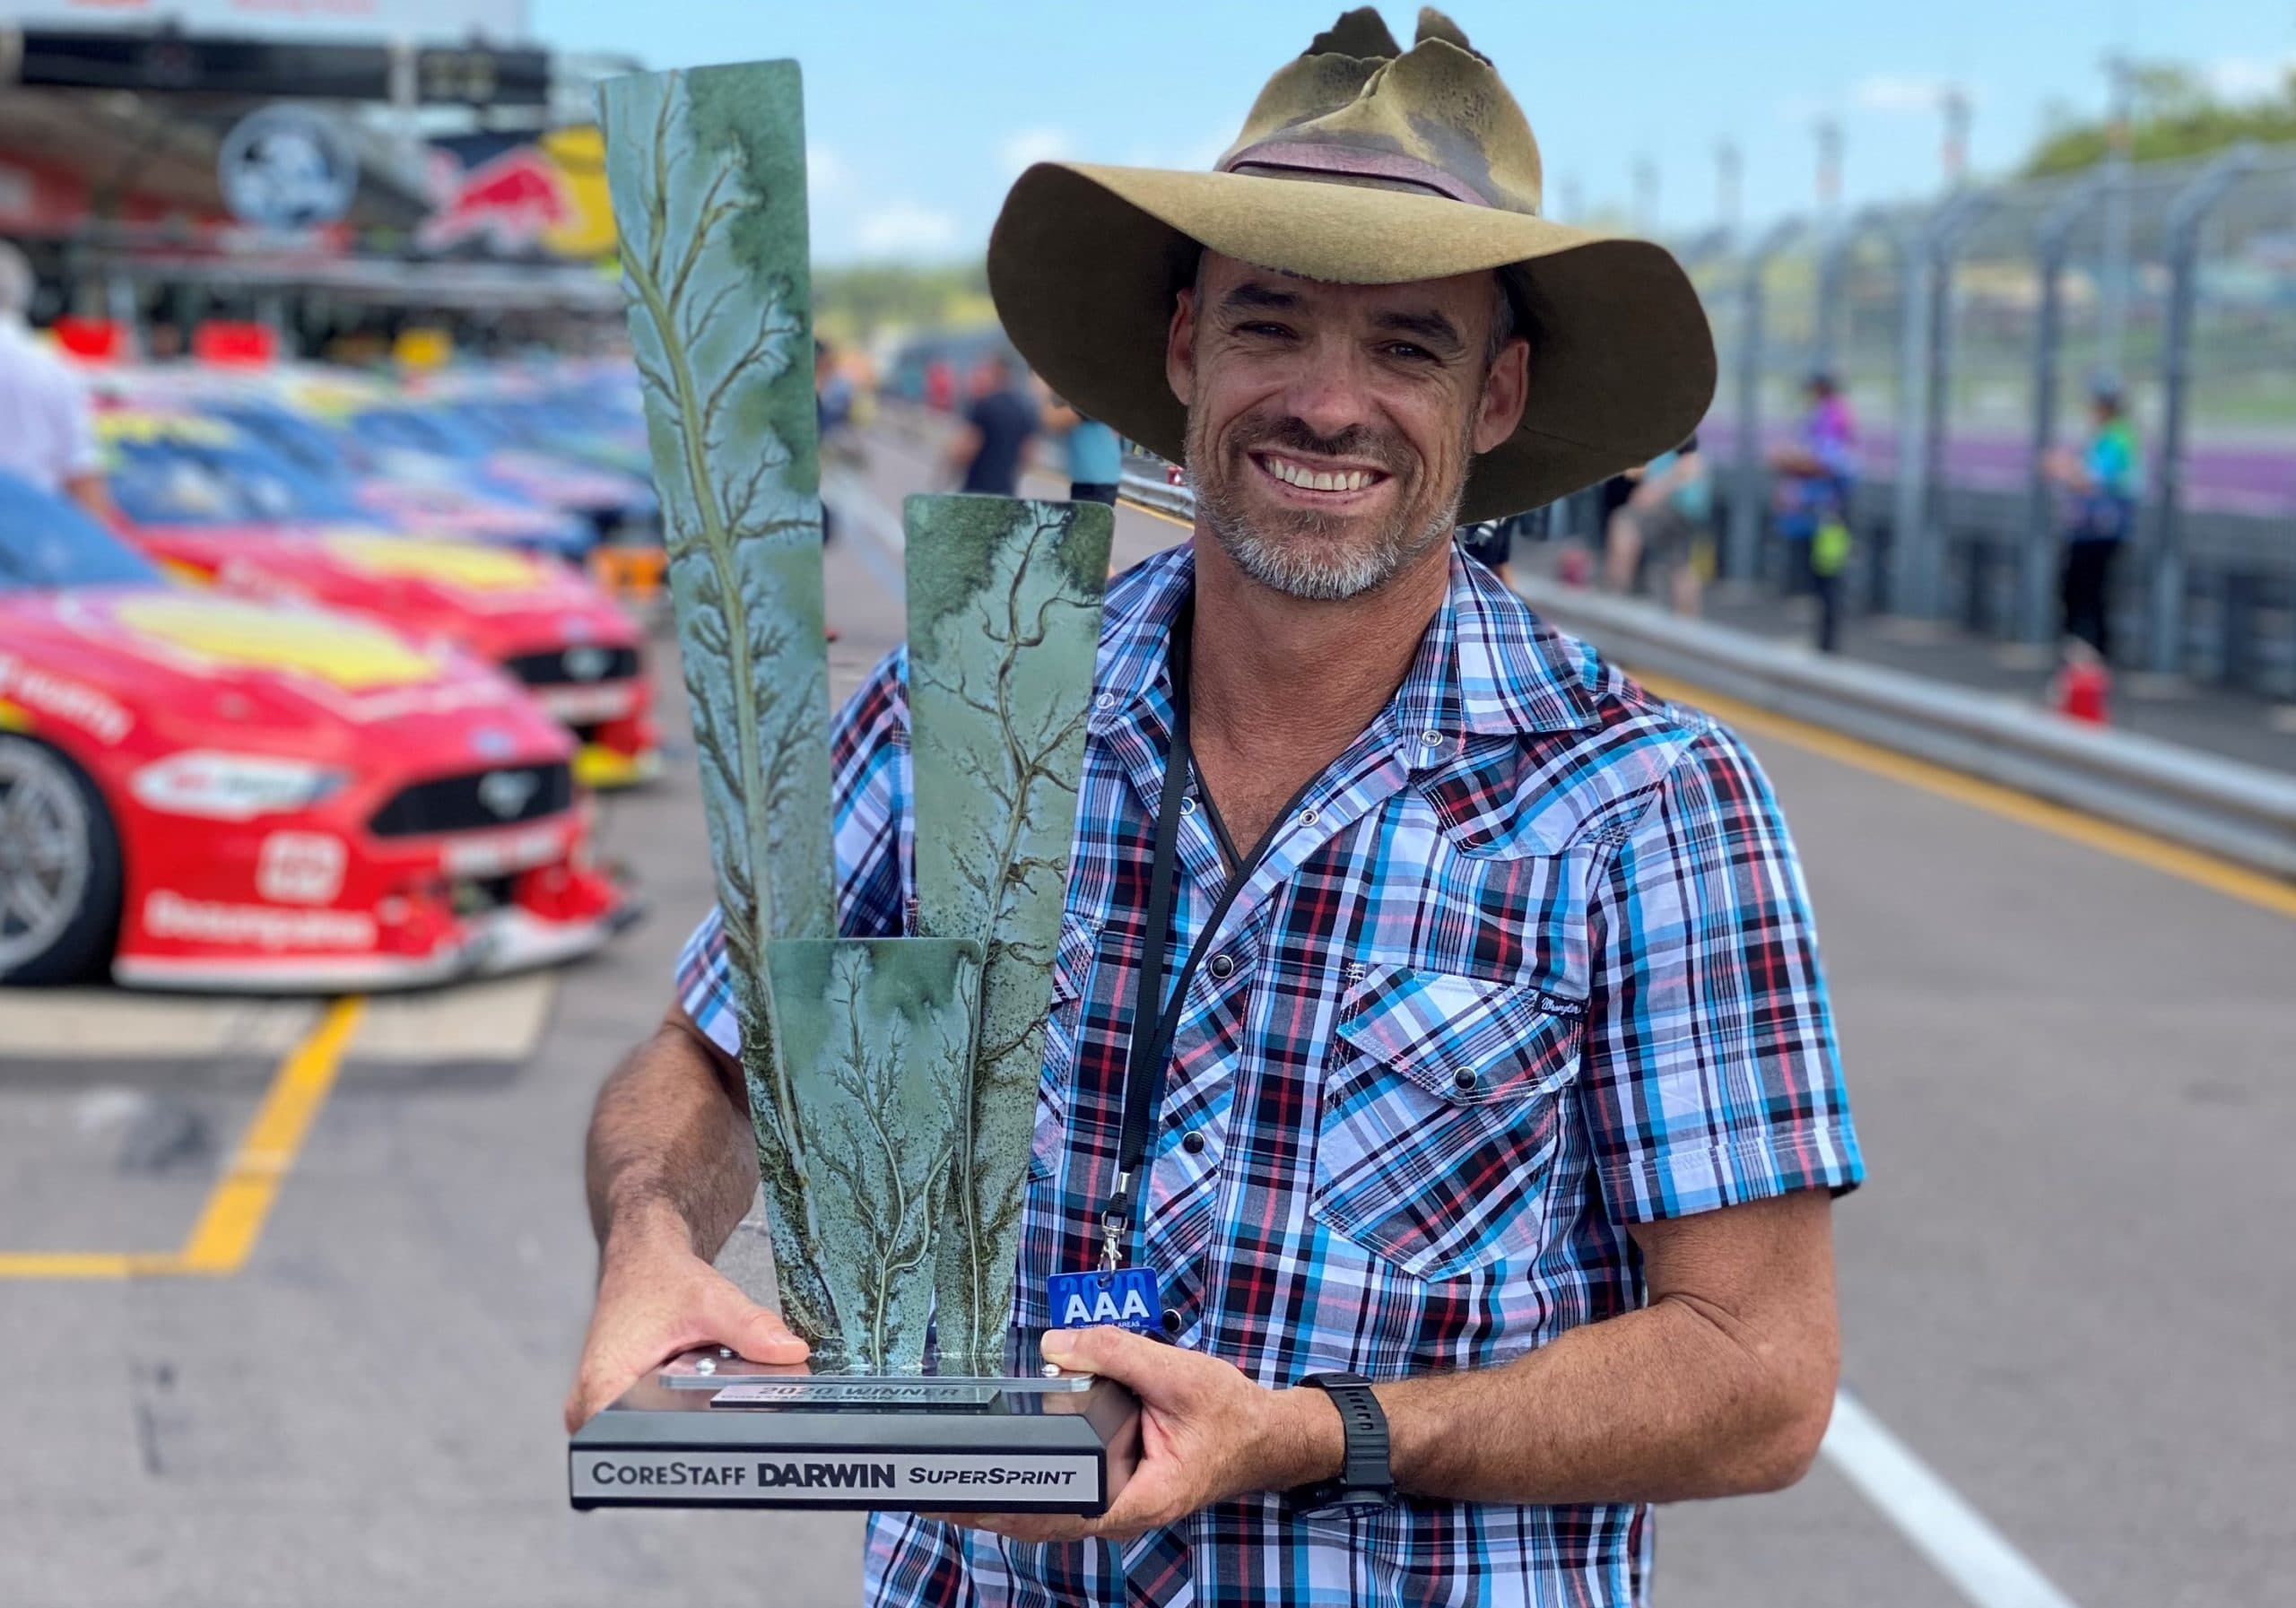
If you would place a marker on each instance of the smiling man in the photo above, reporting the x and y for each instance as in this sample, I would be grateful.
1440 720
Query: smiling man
1437 1013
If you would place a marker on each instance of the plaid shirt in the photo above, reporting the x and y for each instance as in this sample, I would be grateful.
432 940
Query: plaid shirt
1531 962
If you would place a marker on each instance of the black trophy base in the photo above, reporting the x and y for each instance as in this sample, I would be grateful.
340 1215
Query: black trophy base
710 1430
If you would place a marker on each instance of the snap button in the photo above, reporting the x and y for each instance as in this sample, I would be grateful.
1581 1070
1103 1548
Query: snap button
1172 1321
1310 816
1463 1080
1430 738
1106 700
1187 803
1193 1144
1224 965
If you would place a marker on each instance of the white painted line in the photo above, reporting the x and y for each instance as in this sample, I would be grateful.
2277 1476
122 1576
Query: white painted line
108 1024
1954 1536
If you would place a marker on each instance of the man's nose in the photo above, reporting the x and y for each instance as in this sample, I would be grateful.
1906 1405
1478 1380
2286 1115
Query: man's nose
1328 392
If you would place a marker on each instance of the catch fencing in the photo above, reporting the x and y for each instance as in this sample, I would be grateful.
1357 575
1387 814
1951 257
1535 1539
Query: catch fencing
1968 333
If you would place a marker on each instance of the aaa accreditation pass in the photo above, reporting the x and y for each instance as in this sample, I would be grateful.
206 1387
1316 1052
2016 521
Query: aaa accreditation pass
685 1478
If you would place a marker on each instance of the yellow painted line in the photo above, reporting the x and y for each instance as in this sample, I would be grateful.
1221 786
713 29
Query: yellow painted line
232 1220
86 1264
2145 848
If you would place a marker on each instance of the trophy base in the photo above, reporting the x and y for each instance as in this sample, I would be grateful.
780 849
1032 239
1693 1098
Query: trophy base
710 1430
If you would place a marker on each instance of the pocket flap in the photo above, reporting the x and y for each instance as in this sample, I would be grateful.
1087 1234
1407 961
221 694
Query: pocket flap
1464 1039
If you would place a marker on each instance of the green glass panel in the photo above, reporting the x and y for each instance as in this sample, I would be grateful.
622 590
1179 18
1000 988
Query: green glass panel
1003 625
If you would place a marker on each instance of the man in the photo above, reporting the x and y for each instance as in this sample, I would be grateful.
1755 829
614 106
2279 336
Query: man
1816 473
2100 487
1660 525
47 427
986 455
1500 1073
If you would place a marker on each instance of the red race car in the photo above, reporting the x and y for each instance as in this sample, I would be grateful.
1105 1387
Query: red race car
216 793
216 506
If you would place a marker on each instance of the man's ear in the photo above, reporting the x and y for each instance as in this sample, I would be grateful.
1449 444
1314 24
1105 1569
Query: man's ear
1506 390
1180 347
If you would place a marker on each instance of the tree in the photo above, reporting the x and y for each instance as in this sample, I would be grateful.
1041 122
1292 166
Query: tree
2173 114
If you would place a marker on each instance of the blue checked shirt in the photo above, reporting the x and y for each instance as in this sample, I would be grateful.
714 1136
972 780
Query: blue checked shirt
1531 962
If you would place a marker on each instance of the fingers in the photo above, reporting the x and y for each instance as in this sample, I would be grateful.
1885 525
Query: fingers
753 1331
1118 1354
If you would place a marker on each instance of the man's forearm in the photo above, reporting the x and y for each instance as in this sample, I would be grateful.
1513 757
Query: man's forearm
1720 1386
669 1150
1661 1404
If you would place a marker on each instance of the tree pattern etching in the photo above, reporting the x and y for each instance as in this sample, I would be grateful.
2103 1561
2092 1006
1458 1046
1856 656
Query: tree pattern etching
892 1082
1005 618
878 1064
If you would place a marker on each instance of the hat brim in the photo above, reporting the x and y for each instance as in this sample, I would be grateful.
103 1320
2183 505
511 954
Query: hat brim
1084 260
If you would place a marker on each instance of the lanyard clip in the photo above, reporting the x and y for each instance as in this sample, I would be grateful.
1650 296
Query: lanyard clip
1114 1216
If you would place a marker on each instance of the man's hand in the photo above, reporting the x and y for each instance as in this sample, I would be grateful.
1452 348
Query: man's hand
1207 1433
655 1301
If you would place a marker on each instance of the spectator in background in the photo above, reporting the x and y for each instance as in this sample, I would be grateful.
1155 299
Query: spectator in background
1660 525
47 434
1815 475
2101 503
941 385
986 455
1095 456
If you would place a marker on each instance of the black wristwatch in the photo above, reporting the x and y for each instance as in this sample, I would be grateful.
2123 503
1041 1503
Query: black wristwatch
1365 1481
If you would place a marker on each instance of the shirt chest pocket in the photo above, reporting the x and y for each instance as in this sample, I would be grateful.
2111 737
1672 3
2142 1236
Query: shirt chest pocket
1442 1109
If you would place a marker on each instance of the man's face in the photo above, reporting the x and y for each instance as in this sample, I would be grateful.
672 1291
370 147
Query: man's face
1331 427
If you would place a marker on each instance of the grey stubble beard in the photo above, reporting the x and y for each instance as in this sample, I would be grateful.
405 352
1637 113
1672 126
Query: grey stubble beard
1302 567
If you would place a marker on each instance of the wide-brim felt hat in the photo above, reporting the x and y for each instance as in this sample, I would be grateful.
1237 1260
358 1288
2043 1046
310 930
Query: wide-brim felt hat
1362 164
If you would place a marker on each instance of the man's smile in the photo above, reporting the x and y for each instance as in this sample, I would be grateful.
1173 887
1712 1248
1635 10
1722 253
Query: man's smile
1325 484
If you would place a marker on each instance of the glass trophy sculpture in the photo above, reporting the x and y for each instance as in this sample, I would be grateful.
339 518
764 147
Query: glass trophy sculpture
892 1081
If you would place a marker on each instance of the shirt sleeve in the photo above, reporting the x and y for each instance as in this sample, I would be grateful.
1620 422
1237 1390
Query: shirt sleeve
869 780
1711 1073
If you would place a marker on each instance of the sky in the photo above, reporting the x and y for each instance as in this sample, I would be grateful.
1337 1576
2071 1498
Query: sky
919 115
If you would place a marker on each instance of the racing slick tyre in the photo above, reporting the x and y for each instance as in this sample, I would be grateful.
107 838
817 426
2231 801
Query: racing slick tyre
59 866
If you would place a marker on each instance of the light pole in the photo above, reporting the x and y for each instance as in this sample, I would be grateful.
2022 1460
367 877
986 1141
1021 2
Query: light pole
1728 171
2112 311
1955 103
1828 132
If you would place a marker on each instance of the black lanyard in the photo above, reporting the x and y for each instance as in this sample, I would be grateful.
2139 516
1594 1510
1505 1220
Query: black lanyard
1148 1053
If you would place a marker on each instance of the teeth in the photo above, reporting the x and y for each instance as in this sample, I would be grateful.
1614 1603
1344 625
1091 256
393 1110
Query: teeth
1293 474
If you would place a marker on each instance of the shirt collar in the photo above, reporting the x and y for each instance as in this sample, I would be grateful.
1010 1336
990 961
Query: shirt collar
1487 667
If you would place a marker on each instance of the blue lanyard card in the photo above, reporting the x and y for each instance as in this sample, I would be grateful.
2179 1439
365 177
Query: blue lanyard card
1125 1297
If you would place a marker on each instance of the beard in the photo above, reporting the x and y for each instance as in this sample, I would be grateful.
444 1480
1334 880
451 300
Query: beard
1301 553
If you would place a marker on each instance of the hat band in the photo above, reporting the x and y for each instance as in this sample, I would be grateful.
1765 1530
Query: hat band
1345 162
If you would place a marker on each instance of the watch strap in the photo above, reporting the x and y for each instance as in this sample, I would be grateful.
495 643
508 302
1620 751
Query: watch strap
1366 1479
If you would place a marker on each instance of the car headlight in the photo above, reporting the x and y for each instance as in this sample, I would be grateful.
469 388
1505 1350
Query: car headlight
232 786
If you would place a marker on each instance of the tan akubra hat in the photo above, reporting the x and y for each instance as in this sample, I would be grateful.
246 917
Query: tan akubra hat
1362 164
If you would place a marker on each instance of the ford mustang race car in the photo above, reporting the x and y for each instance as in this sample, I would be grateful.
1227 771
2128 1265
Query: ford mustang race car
213 505
208 792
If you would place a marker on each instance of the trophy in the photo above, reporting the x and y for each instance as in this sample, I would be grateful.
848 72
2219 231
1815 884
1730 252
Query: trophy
893 1081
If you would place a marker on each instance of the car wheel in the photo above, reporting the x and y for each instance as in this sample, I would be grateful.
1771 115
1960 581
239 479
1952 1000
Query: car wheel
59 866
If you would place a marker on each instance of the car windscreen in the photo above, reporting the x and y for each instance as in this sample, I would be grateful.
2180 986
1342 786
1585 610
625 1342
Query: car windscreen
239 483
412 428
46 541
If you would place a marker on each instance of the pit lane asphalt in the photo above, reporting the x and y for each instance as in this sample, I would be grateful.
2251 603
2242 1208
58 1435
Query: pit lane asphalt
2067 1288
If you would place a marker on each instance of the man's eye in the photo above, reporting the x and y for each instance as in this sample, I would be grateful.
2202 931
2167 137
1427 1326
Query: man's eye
1409 352
1276 331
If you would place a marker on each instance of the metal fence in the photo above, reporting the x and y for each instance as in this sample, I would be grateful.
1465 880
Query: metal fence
1966 334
